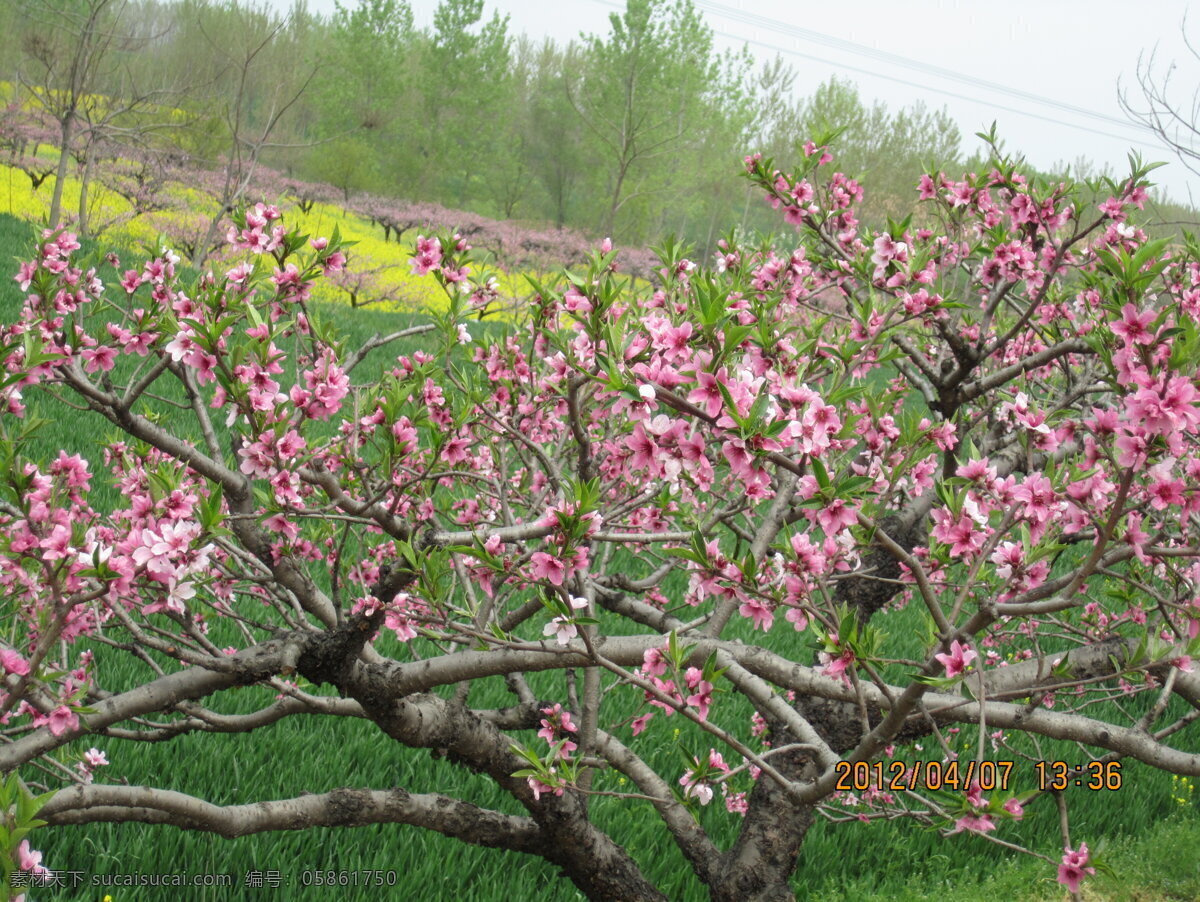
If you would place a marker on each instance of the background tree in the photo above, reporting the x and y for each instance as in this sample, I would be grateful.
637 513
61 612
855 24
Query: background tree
401 101
641 90
366 95
259 77
511 176
701 195
74 52
561 153
349 163
466 70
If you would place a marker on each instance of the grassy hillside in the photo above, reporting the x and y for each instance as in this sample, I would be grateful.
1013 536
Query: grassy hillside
188 210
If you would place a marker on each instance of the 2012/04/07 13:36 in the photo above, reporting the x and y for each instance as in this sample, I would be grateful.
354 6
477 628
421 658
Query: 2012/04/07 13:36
900 776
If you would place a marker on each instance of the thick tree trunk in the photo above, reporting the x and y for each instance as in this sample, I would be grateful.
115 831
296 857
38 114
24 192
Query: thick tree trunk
759 866
601 869
589 858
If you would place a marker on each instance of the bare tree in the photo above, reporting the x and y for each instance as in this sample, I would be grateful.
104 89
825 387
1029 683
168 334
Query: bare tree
1171 111
76 51
258 87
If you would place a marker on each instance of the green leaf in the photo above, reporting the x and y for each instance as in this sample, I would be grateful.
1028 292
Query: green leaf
853 484
820 472
685 554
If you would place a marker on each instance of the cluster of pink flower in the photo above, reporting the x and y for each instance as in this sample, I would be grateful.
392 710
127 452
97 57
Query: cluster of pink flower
697 781
255 237
979 819
697 692
558 730
1075 867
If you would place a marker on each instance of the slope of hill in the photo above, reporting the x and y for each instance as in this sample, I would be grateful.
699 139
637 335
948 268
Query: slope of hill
143 205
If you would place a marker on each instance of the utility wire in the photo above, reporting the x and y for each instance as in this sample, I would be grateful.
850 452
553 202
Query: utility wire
895 59
943 91
924 87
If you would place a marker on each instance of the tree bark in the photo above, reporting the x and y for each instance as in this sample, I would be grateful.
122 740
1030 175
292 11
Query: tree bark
60 175
759 866
85 179
589 858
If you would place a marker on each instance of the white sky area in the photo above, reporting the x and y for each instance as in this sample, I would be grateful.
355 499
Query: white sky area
968 56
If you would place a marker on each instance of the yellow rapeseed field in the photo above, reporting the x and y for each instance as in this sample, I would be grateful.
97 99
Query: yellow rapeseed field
113 222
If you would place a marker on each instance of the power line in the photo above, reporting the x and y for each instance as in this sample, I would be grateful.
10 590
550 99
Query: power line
943 91
896 59
924 87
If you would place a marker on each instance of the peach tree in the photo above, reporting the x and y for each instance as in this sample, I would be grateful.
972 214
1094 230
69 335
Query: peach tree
830 505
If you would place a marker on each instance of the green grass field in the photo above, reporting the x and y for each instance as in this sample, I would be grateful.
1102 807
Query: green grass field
1148 830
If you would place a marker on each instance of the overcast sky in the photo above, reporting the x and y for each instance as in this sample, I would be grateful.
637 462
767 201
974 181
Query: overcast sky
995 58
